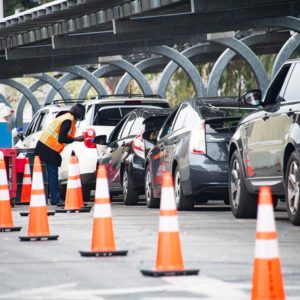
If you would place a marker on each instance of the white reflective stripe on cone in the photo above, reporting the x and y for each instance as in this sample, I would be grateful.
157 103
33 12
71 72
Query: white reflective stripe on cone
27 169
167 199
265 218
4 195
37 200
102 188
72 184
72 170
26 180
1 155
266 249
3 178
102 211
37 181
168 224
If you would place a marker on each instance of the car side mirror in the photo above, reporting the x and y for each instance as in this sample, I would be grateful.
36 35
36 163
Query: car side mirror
100 139
150 135
252 97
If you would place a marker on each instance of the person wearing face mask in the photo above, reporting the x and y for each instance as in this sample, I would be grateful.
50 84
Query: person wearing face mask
61 131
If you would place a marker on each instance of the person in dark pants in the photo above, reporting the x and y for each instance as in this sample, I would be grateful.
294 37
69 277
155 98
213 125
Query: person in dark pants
52 141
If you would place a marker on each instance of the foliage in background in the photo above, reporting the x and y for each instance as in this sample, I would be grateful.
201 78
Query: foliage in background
10 6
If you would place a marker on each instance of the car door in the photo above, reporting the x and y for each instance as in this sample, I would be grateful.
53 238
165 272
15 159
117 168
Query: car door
113 156
263 135
155 155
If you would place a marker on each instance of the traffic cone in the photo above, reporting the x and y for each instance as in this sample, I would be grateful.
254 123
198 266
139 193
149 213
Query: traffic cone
169 258
74 201
38 228
6 221
26 185
267 282
103 243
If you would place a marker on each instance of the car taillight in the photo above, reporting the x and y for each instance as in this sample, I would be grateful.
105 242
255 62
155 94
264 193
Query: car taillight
89 134
198 141
138 146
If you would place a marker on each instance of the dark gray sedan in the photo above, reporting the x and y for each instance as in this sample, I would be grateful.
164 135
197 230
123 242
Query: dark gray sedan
193 145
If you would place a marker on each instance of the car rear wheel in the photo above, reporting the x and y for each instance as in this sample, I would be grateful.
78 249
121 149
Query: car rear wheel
130 193
86 192
150 200
183 202
292 189
242 203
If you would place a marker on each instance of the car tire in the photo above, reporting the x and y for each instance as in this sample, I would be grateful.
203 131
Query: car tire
292 189
86 192
183 202
226 200
150 200
242 203
130 192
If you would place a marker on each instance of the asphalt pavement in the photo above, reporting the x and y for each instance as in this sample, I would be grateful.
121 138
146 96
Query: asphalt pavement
212 240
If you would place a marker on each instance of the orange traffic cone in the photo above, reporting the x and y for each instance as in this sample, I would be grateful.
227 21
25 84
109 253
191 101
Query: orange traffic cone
38 228
103 243
74 201
6 221
26 185
169 258
267 282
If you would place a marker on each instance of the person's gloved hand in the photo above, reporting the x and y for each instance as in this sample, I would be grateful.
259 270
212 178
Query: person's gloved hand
79 138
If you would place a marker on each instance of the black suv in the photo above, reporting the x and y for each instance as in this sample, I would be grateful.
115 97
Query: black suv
127 148
265 148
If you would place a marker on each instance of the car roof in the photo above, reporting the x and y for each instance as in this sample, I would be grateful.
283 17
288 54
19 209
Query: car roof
124 100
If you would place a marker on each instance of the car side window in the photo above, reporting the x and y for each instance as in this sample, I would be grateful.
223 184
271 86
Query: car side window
32 125
274 91
166 128
127 126
292 91
192 118
41 121
180 119
137 126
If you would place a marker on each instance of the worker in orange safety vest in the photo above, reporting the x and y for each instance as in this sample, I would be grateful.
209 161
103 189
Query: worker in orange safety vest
61 131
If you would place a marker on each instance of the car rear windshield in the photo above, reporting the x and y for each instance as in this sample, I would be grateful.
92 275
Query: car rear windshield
111 116
210 111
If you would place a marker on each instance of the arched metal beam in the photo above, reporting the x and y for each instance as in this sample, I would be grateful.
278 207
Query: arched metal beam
136 74
85 87
42 80
82 73
172 66
285 52
27 93
62 80
184 63
142 65
249 56
228 55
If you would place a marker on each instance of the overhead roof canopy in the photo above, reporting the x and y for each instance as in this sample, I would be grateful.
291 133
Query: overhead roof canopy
69 32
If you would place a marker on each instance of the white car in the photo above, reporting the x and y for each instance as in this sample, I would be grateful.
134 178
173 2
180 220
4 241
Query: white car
101 117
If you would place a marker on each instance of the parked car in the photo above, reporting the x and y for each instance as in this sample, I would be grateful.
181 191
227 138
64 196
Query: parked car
102 115
193 145
265 148
127 148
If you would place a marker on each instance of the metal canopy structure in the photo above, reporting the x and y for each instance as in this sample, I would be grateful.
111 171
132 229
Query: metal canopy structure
72 32
149 35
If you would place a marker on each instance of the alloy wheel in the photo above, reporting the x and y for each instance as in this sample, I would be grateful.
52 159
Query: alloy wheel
148 187
177 187
235 183
293 187
125 184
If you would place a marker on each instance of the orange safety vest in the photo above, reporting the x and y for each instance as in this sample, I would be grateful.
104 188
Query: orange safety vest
49 135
